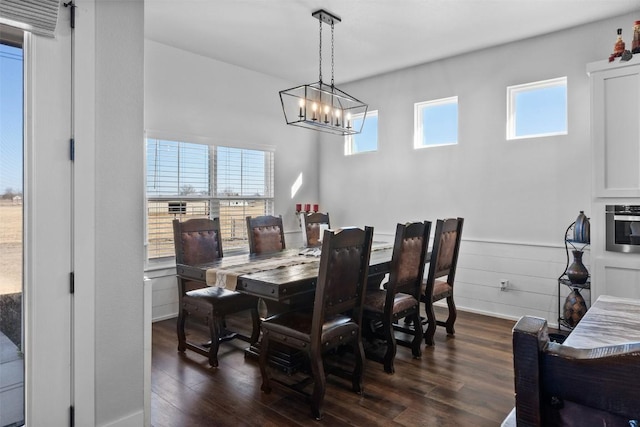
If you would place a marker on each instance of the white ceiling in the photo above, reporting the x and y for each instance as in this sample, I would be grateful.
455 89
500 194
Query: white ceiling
280 38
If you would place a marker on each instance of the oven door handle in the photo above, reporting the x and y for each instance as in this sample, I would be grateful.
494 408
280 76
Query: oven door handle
626 218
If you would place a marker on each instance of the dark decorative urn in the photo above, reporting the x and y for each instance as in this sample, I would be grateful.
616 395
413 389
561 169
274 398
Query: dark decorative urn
574 308
577 272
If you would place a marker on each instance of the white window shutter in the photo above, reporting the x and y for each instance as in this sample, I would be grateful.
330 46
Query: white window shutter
36 16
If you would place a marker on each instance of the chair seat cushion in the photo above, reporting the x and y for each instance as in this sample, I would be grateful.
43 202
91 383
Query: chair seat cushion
219 301
375 301
214 294
441 289
297 326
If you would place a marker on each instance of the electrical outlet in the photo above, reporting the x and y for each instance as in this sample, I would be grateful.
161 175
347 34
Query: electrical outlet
504 284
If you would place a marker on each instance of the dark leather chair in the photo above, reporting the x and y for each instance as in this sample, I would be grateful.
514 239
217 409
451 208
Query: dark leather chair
334 320
401 294
198 241
444 260
265 233
311 225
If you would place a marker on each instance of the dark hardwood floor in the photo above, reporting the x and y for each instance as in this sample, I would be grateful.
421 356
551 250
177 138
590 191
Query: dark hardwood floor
461 381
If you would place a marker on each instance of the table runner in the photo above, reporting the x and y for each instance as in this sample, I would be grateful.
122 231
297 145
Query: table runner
228 277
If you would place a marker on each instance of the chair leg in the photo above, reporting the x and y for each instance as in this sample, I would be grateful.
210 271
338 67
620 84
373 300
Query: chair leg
320 383
255 321
452 316
390 339
264 360
431 325
358 371
417 335
215 326
182 338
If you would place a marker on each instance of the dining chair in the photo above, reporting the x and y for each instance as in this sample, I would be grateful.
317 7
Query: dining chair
401 294
313 224
265 234
198 241
444 260
334 320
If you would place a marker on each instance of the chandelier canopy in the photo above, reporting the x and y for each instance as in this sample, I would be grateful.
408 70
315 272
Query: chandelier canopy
320 106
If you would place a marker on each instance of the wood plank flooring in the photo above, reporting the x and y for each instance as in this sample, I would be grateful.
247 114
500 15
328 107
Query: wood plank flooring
466 380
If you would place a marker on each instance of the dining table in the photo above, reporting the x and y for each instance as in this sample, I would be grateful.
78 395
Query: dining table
285 280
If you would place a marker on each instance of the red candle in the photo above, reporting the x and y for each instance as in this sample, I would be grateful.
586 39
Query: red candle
298 207
307 207
315 208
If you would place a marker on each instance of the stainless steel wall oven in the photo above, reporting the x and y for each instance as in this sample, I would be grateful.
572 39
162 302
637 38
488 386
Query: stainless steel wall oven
623 228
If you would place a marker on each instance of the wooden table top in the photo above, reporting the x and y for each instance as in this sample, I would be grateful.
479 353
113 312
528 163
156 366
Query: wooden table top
283 283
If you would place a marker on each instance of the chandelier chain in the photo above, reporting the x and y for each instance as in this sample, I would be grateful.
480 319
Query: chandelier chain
320 54
331 53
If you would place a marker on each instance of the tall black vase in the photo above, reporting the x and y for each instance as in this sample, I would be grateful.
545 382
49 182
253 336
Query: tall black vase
577 272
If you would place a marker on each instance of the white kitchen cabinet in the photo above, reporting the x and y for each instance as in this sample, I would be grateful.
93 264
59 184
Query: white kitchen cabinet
615 127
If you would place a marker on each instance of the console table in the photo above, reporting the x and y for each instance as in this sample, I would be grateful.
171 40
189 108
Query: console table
592 377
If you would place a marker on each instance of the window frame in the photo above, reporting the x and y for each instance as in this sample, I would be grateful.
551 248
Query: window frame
213 202
418 125
349 139
514 90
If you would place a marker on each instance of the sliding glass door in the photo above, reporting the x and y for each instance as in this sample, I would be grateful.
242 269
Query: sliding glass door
35 229
12 403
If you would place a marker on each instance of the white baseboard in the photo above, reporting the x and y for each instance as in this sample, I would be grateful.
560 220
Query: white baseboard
133 420
165 317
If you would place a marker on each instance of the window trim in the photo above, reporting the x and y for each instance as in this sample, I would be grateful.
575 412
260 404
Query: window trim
418 126
513 90
348 139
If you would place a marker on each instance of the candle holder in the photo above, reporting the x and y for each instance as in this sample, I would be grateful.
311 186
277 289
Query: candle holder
298 212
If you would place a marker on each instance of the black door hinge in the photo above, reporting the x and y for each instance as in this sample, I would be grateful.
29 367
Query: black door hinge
72 149
72 416
72 284
73 13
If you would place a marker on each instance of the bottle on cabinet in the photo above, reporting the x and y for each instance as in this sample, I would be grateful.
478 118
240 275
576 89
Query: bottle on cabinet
618 47
635 45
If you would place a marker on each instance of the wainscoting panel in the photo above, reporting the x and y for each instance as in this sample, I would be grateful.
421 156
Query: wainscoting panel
165 293
622 282
531 270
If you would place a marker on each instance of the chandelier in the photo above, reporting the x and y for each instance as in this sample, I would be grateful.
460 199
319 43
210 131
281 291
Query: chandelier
320 106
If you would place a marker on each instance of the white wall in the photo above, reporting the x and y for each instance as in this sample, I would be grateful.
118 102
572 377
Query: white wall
188 95
517 197
119 214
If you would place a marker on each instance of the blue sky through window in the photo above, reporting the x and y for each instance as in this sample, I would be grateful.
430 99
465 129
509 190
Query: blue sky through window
367 140
541 111
440 123
11 125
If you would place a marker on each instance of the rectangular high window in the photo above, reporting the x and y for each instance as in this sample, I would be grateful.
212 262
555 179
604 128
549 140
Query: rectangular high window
188 180
436 123
367 140
537 109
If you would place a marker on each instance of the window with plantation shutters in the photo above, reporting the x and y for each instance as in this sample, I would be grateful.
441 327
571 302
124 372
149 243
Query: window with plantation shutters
189 180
